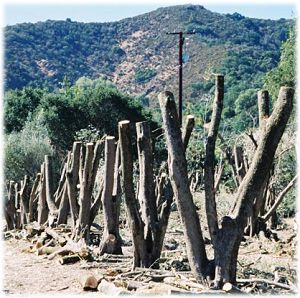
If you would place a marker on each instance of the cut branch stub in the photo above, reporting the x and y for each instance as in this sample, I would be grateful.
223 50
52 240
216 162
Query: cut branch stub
187 130
263 102
180 184
209 166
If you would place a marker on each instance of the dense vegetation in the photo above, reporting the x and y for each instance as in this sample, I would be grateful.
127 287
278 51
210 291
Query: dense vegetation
57 88
50 121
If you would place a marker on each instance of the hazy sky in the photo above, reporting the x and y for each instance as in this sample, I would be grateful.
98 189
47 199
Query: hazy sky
19 13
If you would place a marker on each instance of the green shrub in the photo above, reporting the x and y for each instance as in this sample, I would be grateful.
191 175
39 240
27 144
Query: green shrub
25 150
144 75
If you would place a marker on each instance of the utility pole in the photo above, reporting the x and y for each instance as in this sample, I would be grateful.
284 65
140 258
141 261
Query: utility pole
181 42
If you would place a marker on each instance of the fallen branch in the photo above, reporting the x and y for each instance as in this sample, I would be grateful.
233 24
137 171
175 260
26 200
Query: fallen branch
270 282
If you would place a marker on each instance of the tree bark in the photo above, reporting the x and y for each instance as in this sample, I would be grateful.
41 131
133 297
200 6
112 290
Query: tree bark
180 185
209 163
53 211
111 240
31 208
72 174
24 201
42 204
230 235
82 227
135 222
10 210
279 199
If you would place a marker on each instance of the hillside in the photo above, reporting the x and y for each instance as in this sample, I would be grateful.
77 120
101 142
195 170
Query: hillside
138 56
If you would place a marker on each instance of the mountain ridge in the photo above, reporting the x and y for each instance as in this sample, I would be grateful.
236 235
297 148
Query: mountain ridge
137 55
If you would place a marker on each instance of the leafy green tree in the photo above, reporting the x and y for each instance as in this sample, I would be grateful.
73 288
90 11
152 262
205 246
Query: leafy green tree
25 149
18 104
284 74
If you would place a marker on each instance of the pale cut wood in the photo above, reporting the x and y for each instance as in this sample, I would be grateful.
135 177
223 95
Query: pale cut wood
89 283
42 205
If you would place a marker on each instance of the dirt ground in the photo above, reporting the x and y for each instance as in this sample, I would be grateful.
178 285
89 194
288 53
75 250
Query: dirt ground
27 273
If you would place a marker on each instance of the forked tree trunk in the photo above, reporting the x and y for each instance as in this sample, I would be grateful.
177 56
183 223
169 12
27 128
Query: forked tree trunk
253 183
148 226
226 238
180 185
111 241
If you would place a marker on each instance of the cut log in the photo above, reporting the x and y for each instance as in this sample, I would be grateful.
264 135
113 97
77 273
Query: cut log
89 283
69 259
59 239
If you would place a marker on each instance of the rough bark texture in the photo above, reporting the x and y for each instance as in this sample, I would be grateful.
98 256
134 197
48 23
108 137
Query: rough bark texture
135 222
31 208
42 204
53 210
10 209
209 164
111 241
187 130
180 185
230 235
71 179
279 199
82 227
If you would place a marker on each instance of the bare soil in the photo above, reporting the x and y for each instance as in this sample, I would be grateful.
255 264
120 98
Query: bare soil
259 257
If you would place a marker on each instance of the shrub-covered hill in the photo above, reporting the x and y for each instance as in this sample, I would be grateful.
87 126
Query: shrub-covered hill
138 56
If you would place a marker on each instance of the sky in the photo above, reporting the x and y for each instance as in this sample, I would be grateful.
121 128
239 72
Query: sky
103 11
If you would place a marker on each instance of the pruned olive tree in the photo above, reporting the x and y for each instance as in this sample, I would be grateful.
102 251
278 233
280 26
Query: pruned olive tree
226 233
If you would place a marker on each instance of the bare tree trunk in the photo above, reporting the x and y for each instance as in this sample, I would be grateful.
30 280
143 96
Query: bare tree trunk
82 227
135 222
252 186
71 179
180 185
53 211
17 206
209 166
10 210
31 208
42 204
279 199
24 201
111 240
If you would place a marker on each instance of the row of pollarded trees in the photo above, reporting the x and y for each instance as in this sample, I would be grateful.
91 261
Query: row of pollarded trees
226 233
148 201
